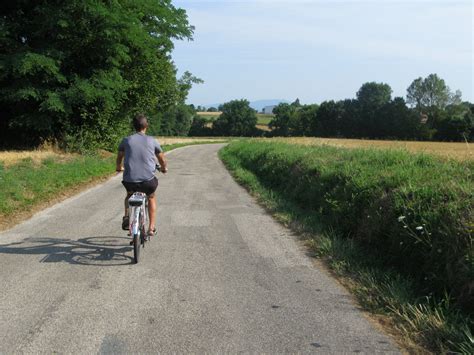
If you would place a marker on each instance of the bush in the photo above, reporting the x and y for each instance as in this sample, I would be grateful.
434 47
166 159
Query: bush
415 211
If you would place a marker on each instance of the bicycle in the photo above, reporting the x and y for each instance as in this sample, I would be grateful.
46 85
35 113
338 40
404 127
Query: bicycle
138 217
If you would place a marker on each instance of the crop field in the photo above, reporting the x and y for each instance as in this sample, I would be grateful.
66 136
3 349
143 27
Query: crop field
458 151
209 116
189 140
263 127
11 157
262 120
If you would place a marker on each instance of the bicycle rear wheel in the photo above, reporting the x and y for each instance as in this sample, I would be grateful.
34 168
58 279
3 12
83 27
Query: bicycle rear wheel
136 248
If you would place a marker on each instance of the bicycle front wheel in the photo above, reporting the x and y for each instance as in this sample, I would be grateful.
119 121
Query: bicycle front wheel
136 248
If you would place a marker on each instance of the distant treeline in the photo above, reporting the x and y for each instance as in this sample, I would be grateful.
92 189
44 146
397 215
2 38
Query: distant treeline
430 112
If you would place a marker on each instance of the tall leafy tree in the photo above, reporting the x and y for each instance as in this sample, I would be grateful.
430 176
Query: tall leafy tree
76 70
454 123
431 93
303 119
328 119
371 97
396 120
350 120
281 122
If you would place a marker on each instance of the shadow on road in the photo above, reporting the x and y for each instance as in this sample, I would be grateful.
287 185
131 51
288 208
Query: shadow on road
94 251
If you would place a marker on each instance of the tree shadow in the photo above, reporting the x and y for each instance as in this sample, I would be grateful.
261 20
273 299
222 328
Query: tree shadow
91 251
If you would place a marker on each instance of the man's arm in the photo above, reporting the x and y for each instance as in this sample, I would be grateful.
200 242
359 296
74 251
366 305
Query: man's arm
118 163
162 160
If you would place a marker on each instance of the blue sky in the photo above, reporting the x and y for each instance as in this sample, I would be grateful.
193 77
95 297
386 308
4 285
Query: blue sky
323 49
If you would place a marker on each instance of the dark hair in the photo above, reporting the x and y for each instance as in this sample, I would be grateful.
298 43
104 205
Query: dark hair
140 122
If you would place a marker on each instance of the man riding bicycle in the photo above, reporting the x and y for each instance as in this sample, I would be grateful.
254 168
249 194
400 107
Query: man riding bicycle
140 152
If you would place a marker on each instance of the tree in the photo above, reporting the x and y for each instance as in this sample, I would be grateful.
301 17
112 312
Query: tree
396 120
328 119
431 92
454 123
371 97
303 119
237 119
296 103
185 84
455 128
176 121
350 120
75 71
280 123
199 127
374 95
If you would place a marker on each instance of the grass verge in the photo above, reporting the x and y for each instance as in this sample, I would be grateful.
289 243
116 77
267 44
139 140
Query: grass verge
26 186
34 183
288 180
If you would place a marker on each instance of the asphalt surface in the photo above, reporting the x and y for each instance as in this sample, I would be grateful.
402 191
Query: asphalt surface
220 276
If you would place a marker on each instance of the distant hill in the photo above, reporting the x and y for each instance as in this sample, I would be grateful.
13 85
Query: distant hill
257 105
260 104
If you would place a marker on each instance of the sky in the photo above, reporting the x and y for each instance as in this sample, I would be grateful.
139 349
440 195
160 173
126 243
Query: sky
323 49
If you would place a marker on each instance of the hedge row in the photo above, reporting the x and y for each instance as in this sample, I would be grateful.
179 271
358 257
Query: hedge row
415 211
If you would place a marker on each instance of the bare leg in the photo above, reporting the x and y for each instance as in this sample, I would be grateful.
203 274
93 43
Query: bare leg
126 203
152 211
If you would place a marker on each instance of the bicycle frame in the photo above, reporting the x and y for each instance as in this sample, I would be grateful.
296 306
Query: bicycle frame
137 212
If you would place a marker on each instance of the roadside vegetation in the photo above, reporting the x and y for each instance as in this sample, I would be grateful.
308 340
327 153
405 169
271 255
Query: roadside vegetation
396 227
29 183
31 180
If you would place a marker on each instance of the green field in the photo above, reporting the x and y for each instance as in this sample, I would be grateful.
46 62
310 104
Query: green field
397 225
264 119
209 116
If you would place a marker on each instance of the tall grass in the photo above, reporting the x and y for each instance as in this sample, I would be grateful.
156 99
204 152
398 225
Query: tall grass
399 224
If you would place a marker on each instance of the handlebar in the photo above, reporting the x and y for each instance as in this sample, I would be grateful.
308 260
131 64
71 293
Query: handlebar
158 167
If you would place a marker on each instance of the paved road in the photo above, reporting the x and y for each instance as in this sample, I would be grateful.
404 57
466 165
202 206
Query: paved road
221 276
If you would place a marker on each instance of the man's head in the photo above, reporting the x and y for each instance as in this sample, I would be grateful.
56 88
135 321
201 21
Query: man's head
140 122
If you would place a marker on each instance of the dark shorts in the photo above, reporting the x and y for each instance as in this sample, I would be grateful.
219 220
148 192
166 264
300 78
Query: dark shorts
147 187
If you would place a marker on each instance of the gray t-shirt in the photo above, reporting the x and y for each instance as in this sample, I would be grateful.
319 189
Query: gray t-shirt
140 151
